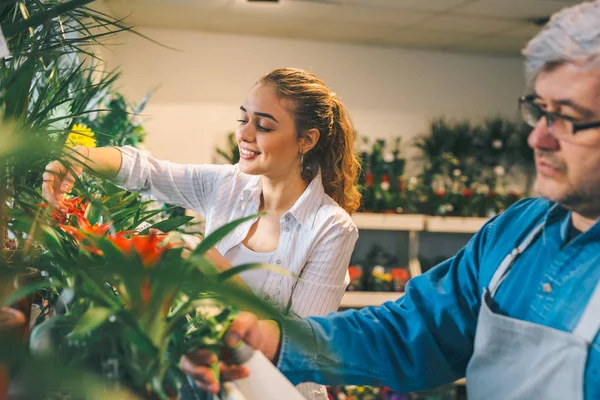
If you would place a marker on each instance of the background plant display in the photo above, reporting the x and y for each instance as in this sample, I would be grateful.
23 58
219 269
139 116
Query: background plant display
385 393
467 170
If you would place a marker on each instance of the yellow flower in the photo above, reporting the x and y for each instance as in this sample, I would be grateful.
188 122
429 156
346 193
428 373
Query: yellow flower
81 135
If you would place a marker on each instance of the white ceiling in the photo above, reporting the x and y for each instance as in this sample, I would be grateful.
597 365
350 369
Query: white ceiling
485 26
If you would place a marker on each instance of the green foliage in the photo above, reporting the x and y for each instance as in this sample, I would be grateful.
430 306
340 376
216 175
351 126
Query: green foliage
130 298
119 123
231 154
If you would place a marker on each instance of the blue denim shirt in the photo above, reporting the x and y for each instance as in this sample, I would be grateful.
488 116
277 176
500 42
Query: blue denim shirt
425 338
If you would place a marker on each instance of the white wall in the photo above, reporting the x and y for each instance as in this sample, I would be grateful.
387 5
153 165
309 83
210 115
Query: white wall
389 91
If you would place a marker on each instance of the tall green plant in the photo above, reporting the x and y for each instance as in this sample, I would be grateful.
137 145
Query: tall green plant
49 78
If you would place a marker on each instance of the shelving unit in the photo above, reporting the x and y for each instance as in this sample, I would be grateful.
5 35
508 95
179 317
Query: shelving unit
454 224
389 222
417 223
365 299
413 224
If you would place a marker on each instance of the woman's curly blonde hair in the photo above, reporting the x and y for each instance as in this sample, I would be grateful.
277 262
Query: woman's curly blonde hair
315 106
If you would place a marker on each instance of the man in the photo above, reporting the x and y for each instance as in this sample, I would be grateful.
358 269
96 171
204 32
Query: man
517 310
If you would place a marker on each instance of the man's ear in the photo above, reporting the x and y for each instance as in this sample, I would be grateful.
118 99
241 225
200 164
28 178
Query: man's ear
309 140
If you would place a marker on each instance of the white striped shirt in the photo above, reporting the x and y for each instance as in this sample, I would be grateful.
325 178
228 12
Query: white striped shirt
316 239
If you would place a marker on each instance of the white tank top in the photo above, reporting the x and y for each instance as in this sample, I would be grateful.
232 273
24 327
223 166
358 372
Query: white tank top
255 279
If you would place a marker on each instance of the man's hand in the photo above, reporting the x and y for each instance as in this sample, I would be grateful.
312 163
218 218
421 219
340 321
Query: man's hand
263 335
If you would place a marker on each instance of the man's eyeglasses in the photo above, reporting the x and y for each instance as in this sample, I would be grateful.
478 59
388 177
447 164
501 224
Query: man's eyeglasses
562 127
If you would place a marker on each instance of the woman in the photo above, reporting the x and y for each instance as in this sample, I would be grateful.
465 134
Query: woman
296 163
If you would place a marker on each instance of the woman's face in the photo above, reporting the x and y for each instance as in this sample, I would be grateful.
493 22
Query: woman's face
267 136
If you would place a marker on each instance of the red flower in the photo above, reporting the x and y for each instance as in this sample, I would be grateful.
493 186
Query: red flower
149 249
121 242
369 179
96 230
354 272
440 192
467 193
73 231
492 194
55 214
400 274
75 206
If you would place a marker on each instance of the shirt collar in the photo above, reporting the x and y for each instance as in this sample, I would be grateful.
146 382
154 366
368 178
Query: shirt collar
558 214
252 189
304 209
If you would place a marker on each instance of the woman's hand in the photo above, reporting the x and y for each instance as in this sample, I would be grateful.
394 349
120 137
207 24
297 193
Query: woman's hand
263 335
58 180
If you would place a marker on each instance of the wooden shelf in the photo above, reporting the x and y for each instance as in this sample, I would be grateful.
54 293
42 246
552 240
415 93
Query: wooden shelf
417 223
364 299
454 224
389 222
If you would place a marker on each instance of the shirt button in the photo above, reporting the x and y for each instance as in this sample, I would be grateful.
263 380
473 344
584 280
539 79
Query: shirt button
287 218
278 261
547 288
287 229
267 298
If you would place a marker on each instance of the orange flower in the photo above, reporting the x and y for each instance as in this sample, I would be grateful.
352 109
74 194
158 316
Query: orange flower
55 214
149 248
121 242
73 231
93 250
75 206
89 229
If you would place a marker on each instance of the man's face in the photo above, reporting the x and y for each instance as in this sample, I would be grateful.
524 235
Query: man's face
568 168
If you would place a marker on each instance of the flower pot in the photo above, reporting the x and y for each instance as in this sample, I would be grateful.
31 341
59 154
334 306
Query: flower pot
12 326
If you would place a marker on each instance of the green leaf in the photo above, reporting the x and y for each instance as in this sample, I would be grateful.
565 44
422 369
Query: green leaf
203 265
211 240
51 239
94 211
92 319
169 224
41 17
25 291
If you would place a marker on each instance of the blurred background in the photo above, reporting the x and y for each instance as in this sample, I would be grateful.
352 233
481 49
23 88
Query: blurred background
394 63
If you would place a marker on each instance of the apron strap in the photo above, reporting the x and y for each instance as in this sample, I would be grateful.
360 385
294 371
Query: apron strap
589 323
508 261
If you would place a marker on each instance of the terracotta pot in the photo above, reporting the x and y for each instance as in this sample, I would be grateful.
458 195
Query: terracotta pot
12 325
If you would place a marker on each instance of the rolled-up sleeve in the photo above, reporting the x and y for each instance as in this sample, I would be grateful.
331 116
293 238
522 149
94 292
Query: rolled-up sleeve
421 341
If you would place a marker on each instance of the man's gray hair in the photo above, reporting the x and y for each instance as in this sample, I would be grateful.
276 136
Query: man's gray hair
572 34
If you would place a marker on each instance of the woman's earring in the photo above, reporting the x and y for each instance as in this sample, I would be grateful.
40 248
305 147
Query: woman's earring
301 162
